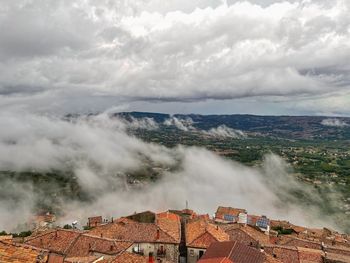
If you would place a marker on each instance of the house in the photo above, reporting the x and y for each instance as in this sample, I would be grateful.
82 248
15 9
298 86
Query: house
228 214
199 235
248 235
263 223
231 252
252 219
243 218
43 220
94 221
161 238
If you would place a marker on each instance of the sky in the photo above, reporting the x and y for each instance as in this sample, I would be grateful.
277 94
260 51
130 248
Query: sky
201 56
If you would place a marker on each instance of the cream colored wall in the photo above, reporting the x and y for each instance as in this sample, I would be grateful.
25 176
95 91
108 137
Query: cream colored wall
195 257
172 250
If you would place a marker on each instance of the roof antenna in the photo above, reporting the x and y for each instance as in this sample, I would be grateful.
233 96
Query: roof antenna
186 204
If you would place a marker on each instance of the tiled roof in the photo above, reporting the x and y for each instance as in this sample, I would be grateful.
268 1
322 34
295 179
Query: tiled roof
88 259
283 253
293 241
6 238
86 244
55 258
58 240
77 244
95 220
201 233
171 226
333 257
252 219
271 259
253 232
231 251
168 215
18 253
298 229
127 257
129 230
256 234
221 211
307 255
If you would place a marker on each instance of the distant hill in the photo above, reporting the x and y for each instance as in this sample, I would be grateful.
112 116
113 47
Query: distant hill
289 127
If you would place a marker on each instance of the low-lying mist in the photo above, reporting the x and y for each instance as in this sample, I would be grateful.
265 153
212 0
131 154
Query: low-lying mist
99 154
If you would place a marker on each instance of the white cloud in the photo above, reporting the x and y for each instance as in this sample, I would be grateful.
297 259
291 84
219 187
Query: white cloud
225 132
334 123
179 123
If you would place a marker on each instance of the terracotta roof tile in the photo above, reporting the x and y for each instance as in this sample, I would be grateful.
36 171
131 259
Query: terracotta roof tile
283 253
55 258
307 255
88 259
232 251
127 257
77 244
19 253
254 232
168 215
128 230
57 241
201 233
171 226
85 245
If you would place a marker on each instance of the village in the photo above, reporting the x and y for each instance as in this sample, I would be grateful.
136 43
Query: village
231 235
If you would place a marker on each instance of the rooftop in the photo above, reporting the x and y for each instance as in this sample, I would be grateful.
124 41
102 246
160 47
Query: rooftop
201 233
231 251
18 253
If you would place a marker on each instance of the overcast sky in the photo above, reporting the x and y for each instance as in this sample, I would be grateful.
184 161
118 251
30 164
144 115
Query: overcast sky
200 56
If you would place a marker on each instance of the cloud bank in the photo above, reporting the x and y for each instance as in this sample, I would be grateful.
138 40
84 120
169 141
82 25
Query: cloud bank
54 51
99 154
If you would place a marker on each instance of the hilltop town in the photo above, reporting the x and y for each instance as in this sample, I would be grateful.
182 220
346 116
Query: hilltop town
231 235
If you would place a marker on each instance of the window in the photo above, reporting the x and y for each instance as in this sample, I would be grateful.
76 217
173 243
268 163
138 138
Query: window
191 252
201 252
229 218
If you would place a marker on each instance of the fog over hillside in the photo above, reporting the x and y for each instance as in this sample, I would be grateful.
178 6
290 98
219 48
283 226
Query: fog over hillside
100 152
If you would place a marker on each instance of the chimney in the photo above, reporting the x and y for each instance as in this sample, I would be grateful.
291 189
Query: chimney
150 258
158 234
101 235
112 219
111 248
